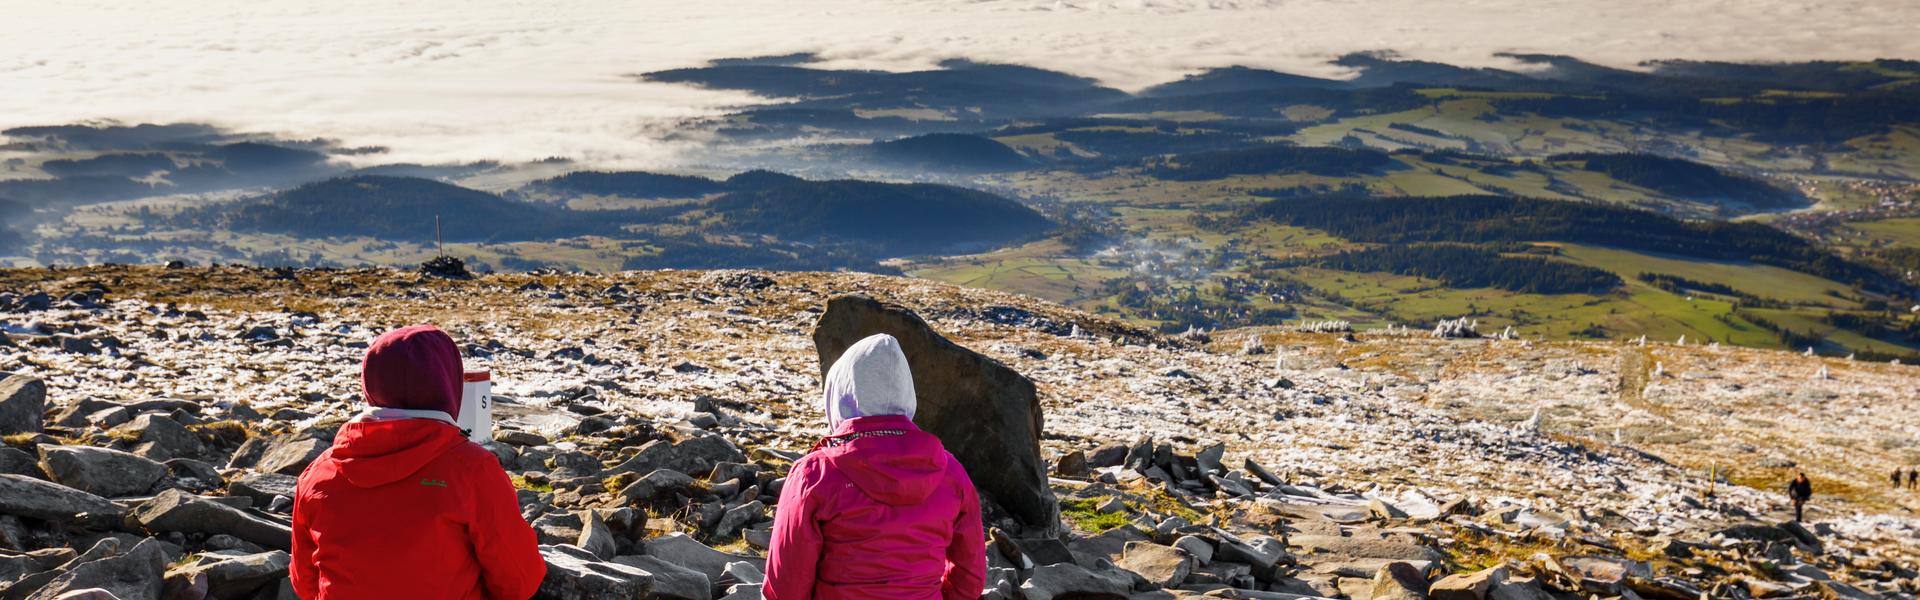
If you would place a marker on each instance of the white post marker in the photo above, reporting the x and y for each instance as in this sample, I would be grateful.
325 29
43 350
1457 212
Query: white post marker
476 406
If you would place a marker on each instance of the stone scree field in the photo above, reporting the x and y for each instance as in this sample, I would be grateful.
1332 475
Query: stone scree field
156 418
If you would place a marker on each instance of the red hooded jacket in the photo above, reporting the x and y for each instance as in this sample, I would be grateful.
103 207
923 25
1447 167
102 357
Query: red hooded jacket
408 508
886 514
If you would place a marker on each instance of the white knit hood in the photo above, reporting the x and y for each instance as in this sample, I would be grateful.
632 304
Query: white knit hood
871 379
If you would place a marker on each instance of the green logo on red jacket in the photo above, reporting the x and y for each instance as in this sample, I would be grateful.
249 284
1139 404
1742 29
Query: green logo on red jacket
433 482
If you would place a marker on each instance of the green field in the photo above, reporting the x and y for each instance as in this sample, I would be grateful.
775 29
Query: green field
1773 283
1903 233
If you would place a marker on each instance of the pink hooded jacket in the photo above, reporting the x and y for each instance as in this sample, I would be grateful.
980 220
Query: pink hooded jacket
880 511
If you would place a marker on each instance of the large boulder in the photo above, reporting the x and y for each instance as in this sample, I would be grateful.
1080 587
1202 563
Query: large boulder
986 414
23 402
100 471
133 574
174 510
576 574
23 496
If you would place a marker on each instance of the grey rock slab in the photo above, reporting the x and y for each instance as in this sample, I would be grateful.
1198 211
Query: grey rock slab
169 438
174 510
680 549
1068 580
262 487
671 581
235 577
33 498
596 537
692 455
100 471
576 574
135 574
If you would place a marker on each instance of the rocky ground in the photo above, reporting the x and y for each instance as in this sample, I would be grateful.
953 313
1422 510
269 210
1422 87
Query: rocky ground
156 418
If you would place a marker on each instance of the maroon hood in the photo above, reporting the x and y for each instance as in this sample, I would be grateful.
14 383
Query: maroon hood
889 459
415 367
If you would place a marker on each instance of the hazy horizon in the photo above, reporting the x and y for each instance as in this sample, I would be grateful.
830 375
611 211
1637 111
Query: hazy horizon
439 82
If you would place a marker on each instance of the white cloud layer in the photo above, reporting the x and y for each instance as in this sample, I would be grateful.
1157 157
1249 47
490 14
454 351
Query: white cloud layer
440 81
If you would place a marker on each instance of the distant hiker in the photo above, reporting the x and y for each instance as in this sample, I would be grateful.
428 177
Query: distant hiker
1799 491
879 508
1913 477
402 505
1898 472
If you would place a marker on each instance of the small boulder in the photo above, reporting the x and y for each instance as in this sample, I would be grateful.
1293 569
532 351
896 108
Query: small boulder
597 537
1162 566
159 437
262 487
236 577
23 403
1467 586
1399 581
655 488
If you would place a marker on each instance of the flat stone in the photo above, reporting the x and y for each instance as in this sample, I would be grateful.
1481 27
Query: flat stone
24 496
1362 547
1200 549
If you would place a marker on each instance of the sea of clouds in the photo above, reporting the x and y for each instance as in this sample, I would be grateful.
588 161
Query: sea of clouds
439 81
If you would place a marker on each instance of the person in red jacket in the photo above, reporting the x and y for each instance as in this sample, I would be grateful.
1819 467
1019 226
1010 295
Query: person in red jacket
879 509
402 505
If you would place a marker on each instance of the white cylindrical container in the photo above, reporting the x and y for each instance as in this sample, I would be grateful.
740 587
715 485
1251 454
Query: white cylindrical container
476 406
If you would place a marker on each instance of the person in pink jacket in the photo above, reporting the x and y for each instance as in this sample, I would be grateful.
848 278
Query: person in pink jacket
879 509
